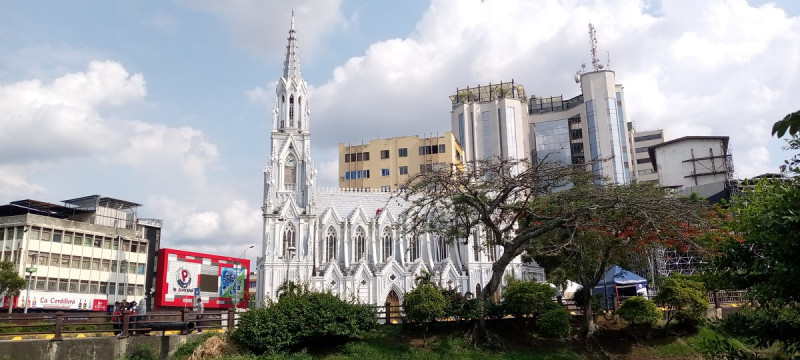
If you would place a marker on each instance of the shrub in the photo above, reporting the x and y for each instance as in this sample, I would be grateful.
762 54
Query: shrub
597 302
686 300
766 326
143 352
639 311
455 303
554 322
297 321
528 298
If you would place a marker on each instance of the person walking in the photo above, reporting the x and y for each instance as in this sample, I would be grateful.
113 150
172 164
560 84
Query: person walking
198 308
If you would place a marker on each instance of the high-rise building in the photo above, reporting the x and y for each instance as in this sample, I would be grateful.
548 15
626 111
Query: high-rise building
386 164
498 120
83 255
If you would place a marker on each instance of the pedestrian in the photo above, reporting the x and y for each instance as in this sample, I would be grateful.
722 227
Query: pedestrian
116 319
198 308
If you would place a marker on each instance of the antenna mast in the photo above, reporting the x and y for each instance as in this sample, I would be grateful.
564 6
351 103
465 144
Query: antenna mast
593 44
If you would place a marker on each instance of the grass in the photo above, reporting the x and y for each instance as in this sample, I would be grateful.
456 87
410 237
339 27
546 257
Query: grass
186 350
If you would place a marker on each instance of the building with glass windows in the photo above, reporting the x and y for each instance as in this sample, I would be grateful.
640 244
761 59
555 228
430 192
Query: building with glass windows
642 165
83 255
386 164
499 120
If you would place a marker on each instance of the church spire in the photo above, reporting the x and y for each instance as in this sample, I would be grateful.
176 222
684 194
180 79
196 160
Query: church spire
291 67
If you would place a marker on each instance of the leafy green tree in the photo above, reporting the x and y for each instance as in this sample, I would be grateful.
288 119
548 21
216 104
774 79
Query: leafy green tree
762 253
528 298
685 299
423 305
10 282
640 312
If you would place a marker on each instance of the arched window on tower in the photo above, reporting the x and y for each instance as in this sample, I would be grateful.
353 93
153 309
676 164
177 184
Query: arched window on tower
291 111
360 245
300 114
386 239
330 244
289 241
491 248
283 110
290 173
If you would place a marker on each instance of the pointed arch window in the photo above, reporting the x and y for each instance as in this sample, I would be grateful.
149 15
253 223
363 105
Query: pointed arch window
283 108
290 173
289 241
441 247
330 244
386 239
360 244
491 248
299 111
291 111
414 248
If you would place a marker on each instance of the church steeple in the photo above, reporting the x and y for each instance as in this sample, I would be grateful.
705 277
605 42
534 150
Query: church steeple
291 67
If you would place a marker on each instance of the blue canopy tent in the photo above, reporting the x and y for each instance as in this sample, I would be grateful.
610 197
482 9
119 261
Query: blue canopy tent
618 282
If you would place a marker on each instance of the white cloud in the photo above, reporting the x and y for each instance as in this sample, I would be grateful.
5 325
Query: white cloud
261 25
698 68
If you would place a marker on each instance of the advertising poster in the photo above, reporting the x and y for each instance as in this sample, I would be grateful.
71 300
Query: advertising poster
232 282
53 300
182 277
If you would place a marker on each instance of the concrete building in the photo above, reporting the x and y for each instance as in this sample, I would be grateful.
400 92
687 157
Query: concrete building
386 164
642 165
699 164
347 241
498 120
87 253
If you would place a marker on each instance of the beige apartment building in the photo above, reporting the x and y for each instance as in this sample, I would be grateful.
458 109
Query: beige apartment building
386 164
643 170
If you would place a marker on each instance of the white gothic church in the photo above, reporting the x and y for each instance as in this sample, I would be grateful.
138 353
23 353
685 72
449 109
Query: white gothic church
347 241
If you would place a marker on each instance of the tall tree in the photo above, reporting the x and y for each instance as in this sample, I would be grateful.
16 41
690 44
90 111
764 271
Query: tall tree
612 223
520 206
10 282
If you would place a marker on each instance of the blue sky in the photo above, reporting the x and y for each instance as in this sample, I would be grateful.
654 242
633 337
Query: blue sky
167 103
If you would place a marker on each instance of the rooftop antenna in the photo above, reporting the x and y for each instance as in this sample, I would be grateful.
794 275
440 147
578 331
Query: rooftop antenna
608 59
593 44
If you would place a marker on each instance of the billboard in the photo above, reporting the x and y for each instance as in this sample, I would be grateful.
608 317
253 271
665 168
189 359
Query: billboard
57 300
219 280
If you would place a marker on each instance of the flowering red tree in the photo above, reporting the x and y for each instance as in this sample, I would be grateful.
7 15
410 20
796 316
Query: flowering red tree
545 208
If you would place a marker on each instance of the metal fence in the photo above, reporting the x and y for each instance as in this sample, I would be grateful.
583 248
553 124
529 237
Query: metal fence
121 325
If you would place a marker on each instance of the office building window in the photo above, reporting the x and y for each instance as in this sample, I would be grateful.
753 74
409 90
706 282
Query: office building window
384 154
431 149
57 236
52 285
404 170
347 158
641 149
402 152
643 161
384 172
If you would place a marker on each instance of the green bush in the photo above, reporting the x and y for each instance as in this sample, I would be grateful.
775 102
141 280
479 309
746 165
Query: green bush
597 302
554 322
686 300
638 311
143 352
528 298
301 320
766 326
455 303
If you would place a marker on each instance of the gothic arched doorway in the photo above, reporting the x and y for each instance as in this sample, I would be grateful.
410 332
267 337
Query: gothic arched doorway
393 305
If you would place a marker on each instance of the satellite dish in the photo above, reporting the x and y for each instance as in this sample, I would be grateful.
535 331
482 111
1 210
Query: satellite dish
600 66
578 77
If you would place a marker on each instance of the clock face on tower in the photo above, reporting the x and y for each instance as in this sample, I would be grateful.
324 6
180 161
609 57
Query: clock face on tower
291 161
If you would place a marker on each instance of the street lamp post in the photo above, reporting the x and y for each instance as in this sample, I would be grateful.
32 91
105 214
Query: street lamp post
30 270
236 279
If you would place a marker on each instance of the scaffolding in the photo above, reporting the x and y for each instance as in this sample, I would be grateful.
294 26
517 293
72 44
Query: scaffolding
711 165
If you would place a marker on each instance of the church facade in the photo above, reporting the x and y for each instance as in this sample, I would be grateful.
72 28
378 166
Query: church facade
348 241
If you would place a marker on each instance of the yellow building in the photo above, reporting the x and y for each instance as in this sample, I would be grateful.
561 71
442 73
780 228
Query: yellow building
386 164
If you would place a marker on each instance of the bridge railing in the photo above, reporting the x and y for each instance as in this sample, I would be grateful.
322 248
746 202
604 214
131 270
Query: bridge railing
122 325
